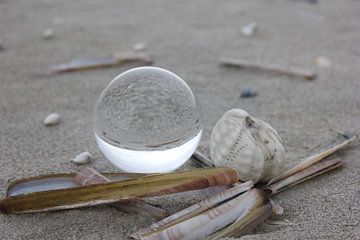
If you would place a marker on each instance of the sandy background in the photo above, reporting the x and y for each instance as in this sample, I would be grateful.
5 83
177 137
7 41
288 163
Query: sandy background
186 38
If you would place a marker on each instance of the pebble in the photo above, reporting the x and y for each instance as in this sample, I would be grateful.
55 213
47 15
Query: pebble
248 93
323 62
52 119
249 29
140 46
277 209
82 158
48 34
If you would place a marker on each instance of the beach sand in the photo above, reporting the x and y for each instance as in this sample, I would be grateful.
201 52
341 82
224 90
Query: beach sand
187 38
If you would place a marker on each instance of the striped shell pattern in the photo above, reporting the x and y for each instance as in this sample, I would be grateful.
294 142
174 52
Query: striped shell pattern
248 144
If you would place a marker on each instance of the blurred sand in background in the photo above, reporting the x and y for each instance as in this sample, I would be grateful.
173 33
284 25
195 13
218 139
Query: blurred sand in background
187 38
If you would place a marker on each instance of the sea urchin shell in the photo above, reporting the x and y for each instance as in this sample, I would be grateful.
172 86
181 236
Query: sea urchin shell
248 144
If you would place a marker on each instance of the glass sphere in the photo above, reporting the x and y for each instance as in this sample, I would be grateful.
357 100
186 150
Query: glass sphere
147 120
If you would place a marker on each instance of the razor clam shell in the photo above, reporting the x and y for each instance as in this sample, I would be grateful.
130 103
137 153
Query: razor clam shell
88 176
148 186
64 181
208 222
290 71
202 160
41 185
211 190
308 173
92 63
196 208
82 64
246 222
327 151
54 182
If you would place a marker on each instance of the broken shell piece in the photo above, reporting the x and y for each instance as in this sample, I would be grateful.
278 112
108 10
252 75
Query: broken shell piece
116 59
140 46
48 34
284 222
323 62
249 29
202 160
289 71
82 158
248 144
311 160
277 209
52 119
303 175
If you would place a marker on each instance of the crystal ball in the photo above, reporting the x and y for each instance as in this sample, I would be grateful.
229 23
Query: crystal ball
147 120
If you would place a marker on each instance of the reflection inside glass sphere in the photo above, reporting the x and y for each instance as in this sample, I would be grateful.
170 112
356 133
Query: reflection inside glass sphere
147 120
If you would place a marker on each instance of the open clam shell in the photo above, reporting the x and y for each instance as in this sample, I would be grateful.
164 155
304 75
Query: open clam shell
195 209
199 225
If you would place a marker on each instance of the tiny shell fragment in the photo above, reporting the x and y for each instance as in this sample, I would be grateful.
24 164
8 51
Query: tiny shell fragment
48 34
277 209
52 119
140 46
249 29
323 62
82 158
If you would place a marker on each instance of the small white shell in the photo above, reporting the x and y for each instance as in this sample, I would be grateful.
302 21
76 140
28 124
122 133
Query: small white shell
52 119
249 29
140 46
323 62
82 158
48 34
248 144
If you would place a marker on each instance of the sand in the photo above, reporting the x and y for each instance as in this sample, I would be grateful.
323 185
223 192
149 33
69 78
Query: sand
186 38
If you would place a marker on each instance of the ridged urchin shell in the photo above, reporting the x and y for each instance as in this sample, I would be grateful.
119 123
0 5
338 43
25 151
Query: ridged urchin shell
248 144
